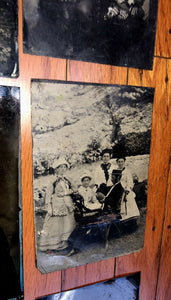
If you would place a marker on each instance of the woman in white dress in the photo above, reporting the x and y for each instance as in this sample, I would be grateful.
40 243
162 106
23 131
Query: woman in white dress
59 222
129 208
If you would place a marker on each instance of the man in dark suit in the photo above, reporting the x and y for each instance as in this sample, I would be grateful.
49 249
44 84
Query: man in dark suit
111 196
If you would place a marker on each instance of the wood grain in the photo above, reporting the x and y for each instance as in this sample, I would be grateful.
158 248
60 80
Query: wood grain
88 274
90 72
163 35
164 280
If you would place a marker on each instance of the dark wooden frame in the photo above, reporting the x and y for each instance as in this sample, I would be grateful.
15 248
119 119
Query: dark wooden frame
154 260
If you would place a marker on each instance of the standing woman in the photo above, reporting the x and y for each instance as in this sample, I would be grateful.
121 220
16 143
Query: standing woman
59 221
129 208
103 172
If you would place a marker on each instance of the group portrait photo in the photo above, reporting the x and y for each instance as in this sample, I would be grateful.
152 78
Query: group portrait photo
91 151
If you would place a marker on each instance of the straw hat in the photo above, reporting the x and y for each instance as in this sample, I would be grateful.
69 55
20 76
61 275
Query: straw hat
59 162
86 174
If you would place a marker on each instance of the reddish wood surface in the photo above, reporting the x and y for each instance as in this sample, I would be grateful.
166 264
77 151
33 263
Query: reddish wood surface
84 275
90 72
163 36
159 191
164 279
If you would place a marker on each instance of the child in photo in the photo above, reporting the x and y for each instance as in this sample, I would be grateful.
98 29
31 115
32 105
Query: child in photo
90 200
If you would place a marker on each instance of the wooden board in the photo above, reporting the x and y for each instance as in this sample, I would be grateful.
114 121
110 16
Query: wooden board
163 36
147 261
164 279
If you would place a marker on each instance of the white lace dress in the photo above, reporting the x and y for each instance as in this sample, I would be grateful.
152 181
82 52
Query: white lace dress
59 221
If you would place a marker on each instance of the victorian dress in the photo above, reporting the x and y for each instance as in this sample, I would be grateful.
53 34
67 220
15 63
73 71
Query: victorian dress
59 221
103 173
129 208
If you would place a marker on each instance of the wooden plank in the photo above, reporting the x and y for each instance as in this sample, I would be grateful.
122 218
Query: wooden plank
164 279
128 264
90 72
163 34
157 183
88 274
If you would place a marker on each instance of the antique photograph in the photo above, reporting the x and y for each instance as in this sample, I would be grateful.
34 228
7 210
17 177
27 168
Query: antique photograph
91 147
118 32
8 38
10 200
125 288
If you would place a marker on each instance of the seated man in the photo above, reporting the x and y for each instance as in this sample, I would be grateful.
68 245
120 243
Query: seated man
111 197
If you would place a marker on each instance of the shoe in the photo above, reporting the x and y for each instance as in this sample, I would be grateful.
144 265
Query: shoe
72 252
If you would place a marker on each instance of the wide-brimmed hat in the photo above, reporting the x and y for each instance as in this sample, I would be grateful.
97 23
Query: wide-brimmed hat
86 174
59 162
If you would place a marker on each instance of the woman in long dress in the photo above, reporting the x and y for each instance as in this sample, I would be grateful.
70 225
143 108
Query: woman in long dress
59 222
129 208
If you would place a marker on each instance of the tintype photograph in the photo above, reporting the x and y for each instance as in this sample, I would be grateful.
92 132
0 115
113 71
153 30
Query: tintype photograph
10 200
91 147
8 38
118 32
125 288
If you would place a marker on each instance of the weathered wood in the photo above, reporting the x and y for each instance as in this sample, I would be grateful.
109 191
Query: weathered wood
164 279
89 72
84 275
163 34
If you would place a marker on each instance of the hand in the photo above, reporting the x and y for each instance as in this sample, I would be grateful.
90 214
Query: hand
100 197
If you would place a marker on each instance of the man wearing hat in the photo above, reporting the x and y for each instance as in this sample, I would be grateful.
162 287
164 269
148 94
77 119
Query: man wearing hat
111 197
